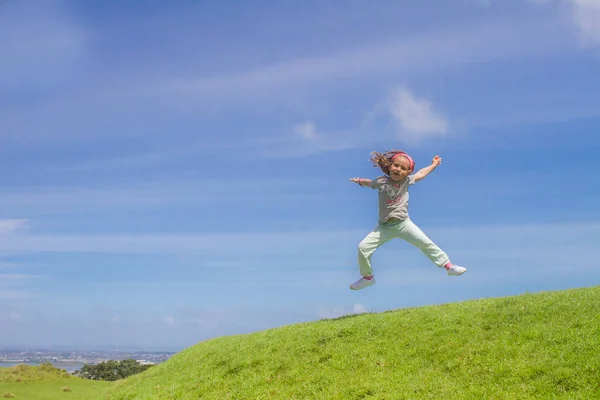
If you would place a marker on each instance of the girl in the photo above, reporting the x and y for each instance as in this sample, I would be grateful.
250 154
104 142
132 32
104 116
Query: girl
394 221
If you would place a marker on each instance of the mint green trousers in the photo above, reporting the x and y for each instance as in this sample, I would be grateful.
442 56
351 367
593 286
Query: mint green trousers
404 229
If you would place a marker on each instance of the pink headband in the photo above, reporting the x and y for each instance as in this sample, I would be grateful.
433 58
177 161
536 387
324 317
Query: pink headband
412 163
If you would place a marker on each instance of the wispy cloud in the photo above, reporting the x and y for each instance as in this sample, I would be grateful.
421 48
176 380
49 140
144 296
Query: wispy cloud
169 321
72 199
492 39
586 14
306 130
416 118
10 226
175 244
308 139
189 94
566 240
110 105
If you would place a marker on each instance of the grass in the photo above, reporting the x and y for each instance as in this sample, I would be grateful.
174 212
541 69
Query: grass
46 382
532 346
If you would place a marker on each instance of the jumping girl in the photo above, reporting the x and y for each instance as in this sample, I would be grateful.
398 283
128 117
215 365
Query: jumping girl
394 221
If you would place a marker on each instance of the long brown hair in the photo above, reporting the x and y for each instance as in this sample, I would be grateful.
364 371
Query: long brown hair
384 160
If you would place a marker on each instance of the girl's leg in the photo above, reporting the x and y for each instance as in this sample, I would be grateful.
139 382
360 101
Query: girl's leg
413 235
367 247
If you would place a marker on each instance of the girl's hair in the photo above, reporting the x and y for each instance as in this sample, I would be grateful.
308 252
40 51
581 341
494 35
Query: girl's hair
384 160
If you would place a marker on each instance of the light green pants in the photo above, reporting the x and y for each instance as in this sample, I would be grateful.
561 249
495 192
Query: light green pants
405 230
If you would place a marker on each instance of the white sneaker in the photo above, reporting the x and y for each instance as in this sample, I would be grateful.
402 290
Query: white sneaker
362 283
455 270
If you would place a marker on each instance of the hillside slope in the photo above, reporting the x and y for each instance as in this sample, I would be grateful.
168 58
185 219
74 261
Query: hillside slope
45 382
543 345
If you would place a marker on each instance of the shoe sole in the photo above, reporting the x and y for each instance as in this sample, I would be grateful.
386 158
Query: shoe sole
362 287
458 274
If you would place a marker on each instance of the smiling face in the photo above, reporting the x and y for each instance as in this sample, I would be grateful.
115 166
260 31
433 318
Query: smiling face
400 168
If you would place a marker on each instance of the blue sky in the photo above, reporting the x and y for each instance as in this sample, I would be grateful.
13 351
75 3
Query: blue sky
177 171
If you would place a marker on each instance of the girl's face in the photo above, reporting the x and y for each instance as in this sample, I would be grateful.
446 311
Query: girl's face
400 168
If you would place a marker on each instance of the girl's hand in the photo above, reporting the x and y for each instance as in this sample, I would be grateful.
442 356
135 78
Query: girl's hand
361 181
437 160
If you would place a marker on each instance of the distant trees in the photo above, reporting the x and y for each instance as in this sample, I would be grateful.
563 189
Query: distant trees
111 370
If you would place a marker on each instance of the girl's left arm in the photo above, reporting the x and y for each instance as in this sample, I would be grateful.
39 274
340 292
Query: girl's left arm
423 172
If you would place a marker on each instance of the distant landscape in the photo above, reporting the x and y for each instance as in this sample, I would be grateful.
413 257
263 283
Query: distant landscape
72 360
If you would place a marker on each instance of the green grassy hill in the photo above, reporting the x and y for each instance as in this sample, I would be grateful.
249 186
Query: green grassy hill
45 382
532 346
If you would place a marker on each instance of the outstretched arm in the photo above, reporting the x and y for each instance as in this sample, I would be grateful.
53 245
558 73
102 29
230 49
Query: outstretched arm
361 181
423 172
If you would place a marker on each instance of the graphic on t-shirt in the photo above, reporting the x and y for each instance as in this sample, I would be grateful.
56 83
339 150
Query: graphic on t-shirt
393 192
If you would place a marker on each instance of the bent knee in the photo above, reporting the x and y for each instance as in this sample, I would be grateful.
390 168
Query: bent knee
365 247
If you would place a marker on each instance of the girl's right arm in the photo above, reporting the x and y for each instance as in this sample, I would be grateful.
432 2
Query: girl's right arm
361 181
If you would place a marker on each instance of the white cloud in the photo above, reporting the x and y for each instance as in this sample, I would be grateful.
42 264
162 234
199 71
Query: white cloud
416 118
304 139
169 321
306 130
586 15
